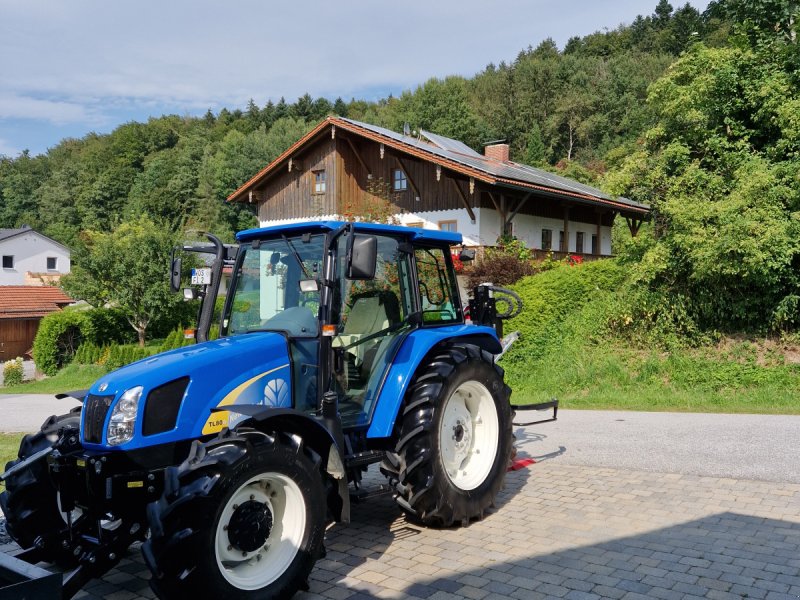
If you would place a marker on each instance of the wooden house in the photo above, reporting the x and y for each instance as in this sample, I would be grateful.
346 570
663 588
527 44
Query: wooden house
427 180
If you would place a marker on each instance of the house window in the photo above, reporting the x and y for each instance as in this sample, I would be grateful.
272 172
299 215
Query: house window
595 249
319 182
8 262
579 242
448 226
52 263
547 239
561 246
400 181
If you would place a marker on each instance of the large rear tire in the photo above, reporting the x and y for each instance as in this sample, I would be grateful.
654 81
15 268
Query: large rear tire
242 518
30 500
455 438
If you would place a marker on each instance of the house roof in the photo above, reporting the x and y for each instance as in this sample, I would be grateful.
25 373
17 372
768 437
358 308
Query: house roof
457 157
29 302
10 233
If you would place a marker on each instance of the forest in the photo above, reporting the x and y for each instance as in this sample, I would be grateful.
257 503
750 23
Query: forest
696 114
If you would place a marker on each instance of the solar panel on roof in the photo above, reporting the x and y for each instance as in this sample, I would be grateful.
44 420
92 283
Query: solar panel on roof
446 143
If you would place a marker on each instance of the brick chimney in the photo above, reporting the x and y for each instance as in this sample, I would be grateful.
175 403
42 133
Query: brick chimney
497 152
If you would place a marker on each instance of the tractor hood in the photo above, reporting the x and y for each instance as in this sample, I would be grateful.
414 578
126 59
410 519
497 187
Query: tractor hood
189 382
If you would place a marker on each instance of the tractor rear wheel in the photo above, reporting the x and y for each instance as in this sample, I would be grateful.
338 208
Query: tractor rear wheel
30 501
242 518
455 438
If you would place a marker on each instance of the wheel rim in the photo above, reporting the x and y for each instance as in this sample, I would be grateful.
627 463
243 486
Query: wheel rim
468 435
282 524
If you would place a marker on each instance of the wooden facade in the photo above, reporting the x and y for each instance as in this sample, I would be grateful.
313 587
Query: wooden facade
16 337
359 168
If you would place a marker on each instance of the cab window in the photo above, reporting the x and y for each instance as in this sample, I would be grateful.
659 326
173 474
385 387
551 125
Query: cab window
437 287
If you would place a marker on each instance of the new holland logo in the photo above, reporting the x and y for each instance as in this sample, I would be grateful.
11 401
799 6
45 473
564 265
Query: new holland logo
276 393
103 387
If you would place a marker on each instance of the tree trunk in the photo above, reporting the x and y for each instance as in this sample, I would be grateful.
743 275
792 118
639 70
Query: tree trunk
141 331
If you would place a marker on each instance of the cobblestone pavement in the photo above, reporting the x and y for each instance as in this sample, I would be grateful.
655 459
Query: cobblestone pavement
566 531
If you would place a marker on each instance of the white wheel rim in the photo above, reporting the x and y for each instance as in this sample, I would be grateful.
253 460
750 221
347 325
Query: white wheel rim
468 435
257 569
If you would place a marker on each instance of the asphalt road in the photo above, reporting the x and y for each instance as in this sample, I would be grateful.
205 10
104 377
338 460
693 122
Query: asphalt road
756 447
26 412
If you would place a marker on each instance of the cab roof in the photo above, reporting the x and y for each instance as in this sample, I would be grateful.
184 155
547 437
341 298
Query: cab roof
414 234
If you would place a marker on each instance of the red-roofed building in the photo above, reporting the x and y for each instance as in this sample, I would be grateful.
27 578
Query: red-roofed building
21 309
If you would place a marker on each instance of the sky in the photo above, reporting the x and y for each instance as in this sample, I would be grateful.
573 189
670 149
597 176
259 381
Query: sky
68 68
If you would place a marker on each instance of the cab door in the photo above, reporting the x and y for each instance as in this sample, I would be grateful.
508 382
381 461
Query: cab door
371 321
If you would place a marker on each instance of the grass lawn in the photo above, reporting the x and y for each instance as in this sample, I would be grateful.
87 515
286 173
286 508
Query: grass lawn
71 377
9 445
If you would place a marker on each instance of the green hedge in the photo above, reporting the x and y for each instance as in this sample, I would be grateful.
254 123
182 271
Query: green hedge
58 338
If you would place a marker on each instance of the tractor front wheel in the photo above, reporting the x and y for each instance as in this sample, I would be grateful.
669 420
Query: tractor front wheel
242 518
455 438
30 501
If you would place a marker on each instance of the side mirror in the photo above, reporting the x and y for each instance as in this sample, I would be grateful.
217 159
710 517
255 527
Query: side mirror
309 285
175 275
362 257
466 255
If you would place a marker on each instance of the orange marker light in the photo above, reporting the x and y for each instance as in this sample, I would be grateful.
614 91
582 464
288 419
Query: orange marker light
329 330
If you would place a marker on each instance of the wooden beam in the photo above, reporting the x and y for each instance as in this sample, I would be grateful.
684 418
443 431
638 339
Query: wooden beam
565 248
519 205
463 196
413 185
633 225
598 233
494 201
358 156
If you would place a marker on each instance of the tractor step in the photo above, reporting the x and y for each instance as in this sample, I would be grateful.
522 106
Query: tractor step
362 459
361 495
538 406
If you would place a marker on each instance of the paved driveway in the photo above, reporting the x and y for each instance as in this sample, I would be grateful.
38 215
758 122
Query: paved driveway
575 526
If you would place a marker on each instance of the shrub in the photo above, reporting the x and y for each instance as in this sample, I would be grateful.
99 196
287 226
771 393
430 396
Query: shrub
121 355
13 372
108 326
88 354
549 298
500 268
59 336
175 339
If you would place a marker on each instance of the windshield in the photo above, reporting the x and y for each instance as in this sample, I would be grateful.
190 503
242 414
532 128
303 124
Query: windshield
267 294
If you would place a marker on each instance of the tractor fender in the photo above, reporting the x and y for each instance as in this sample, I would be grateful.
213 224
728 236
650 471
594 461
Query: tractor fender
314 434
412 352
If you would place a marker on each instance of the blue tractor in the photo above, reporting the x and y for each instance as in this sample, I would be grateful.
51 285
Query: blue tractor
341 345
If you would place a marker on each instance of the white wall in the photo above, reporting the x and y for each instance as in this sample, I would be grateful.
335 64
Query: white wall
487 227
30 251
529 228
428 219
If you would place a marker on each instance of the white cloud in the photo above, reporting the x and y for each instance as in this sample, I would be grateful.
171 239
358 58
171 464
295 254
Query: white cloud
6 149
13 106
83 60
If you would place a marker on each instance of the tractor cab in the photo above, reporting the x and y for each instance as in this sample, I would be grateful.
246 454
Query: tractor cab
345 297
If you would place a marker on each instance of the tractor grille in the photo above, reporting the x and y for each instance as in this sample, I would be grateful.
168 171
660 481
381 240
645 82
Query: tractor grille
162 406
94 417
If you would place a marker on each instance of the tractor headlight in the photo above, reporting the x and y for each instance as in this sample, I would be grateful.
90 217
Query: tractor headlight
123 418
